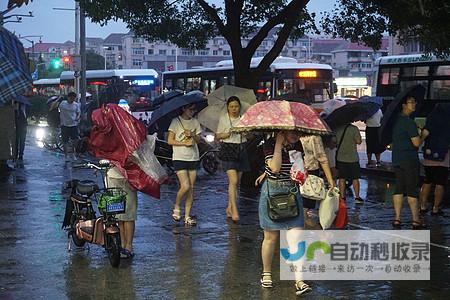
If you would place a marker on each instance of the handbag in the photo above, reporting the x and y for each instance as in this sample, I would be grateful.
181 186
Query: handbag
313 188
329 208
341 218
283 206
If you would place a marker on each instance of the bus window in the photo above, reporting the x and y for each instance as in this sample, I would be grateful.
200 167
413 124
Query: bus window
180 84
415 71
168 85
409 83
440 89
212 85
285 87
205 87
192 83
443 71
223 80
389 76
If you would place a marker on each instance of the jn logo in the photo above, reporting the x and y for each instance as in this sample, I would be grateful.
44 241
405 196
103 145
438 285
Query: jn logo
317 245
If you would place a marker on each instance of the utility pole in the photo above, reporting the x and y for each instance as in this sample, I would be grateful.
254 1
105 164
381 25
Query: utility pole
77 44
83 57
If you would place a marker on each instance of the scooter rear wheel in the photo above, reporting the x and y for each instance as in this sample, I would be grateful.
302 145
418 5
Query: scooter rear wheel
113 249
77 241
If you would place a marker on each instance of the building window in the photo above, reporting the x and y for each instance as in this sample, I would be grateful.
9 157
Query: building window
150 52
203 52
226 52
138 51
162 51
187 52
174 52
215 52
294 53
137 62
119 48
137 40
260 53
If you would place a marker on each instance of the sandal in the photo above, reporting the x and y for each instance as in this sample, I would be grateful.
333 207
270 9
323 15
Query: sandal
423 211
266 280
440 212
397 224
417 225
176 216
190 221
359 200
125 253
302 288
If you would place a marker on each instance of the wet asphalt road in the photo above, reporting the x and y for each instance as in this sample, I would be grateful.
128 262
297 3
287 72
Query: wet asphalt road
215 260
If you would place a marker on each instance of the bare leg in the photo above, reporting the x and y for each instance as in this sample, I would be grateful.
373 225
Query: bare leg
268 248
378 157
341 182
293 236
424 192
369 158
128 228
122 234
190 195
233 178
183 178
438 196
356 187
398 201
414 206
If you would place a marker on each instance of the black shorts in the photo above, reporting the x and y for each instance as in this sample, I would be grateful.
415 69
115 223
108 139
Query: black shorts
436 175
69 133
179 165
407 179
348 170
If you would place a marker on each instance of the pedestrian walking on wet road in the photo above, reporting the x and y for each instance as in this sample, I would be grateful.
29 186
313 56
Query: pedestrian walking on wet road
232 153
347 159
278 181
405 144
21 129
373 145
183 135
70 113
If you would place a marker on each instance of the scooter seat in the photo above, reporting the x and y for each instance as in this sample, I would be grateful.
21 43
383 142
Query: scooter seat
87 187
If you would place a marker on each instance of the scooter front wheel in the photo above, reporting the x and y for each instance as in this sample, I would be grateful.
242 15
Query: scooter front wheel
113 249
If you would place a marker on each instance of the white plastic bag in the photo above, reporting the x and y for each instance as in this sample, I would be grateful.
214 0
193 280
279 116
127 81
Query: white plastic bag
298 172
329 208
145 158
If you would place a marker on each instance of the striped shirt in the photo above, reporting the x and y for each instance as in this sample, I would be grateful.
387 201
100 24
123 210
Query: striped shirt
286 165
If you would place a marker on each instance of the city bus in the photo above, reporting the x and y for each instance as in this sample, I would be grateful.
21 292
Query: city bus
395 73
135 84
47 87
286 79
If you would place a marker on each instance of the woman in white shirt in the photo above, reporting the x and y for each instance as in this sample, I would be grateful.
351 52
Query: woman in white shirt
234 166
183 136
373 145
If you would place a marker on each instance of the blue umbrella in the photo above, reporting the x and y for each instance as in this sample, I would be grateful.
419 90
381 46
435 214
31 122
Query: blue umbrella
166 96
373 104
15 77
163 115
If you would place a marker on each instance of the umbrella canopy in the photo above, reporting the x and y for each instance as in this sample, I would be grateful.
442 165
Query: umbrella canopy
221 95
23 100
331 105
373 105
210 116
162 116
281 115
166 96
15 77
438 124
347 114
393 109
372 99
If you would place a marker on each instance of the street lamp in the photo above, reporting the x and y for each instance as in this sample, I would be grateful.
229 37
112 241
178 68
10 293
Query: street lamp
32 43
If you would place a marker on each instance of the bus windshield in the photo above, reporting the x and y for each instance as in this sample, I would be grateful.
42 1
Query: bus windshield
308 91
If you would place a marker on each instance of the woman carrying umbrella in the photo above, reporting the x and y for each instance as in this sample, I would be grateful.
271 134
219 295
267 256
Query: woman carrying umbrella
236 162
183 135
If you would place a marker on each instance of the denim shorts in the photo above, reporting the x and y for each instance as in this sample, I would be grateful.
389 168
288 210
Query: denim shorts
277 187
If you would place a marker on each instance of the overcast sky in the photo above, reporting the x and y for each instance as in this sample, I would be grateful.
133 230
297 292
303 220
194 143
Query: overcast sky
58 25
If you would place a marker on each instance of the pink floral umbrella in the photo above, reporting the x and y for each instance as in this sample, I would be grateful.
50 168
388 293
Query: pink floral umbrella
282 115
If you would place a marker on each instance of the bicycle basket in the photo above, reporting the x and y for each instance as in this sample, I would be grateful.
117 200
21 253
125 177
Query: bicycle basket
112 200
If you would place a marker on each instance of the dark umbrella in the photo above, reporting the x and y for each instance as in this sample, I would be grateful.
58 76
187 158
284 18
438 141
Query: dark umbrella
438 124
373 105
349 113
166 96
394 108
23 100
14 74
163 115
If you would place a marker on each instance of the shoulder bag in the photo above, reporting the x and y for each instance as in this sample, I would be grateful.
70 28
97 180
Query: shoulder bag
281 207
313 188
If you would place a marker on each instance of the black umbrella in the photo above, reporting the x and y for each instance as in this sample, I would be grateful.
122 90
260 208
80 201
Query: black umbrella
163 115
23 100
438 124
346 114
394 108
373 105
166 96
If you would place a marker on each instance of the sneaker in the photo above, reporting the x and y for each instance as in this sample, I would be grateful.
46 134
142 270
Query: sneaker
359 200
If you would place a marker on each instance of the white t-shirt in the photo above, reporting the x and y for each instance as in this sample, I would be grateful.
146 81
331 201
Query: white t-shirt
375 120
69 113
178 126
224 127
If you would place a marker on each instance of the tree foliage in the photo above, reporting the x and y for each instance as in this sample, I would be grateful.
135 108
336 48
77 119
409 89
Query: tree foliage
427 21
190 23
